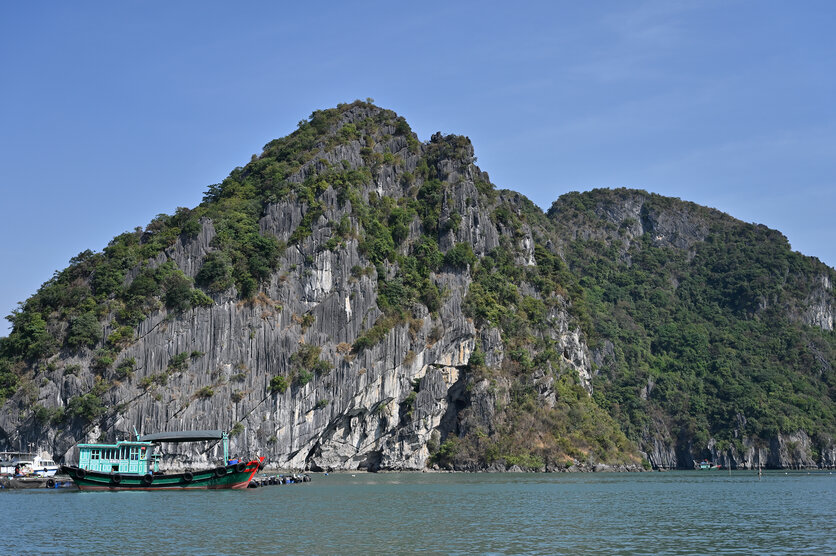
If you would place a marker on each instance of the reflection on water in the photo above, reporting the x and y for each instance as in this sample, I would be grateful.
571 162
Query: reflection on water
606 513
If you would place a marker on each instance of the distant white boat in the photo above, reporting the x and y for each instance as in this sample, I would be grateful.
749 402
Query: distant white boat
27 463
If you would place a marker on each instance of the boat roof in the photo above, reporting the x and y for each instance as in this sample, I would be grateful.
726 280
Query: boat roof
183 436
117 444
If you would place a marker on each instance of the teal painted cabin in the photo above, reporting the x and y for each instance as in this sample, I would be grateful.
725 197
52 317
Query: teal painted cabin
125 456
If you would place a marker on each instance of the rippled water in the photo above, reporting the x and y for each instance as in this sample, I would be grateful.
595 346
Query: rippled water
604 513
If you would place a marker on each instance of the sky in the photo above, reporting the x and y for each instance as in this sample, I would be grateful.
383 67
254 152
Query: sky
114 112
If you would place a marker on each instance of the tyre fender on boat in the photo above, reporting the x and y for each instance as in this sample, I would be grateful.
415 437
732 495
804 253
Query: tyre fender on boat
80 473
116 478
220 471
188 476
147 479
240 466
50 483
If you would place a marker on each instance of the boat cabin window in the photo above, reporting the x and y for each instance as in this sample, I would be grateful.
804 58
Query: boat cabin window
134 453
94 453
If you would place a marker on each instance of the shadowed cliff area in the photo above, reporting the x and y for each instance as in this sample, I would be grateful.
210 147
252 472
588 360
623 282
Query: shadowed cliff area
354 298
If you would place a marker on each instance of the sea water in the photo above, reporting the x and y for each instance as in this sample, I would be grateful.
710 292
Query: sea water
711 512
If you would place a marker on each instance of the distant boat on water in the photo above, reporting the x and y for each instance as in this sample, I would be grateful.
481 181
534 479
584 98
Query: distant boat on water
705 464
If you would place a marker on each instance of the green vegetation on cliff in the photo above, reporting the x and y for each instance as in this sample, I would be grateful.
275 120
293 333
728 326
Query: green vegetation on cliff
122 282
709 337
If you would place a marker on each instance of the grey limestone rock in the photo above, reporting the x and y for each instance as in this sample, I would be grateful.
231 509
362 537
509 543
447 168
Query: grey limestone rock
375 408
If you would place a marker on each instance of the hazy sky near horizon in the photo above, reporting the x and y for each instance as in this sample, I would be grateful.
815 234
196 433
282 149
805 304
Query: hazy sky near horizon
114 112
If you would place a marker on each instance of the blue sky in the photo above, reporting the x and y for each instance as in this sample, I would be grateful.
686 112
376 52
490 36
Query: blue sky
113 112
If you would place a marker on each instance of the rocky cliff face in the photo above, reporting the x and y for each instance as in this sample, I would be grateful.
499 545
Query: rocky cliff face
413 316
372 408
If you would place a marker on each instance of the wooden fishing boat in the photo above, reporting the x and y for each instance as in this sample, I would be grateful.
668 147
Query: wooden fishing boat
134 465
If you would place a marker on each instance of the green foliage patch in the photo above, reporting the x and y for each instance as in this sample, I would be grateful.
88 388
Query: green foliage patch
306 364
708 336
279 384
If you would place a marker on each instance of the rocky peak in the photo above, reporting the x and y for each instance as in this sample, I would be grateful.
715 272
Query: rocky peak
318 306
626 215
355 298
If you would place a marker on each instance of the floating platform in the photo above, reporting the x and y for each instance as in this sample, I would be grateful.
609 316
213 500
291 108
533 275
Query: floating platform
270 480
58 481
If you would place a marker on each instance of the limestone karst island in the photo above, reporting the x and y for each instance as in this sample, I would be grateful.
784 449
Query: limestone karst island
356 299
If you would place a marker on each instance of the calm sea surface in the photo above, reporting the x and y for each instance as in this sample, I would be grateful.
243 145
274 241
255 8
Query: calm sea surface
708 512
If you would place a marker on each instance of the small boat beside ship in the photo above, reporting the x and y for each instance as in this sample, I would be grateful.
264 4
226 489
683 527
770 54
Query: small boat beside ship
27 464
134 465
